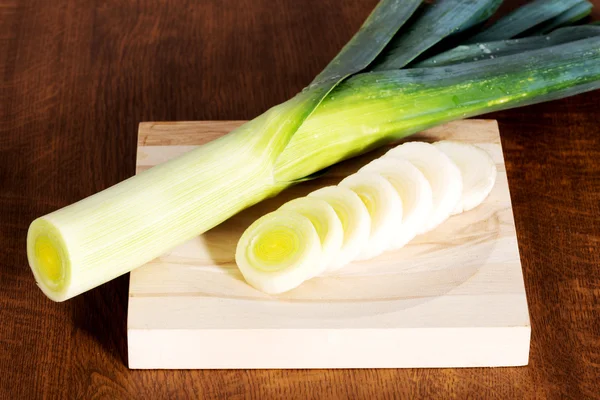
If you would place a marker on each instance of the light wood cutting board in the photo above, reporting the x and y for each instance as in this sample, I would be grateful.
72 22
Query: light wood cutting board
451 298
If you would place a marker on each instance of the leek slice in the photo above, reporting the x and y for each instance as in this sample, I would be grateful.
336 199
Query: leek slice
355 220
385 208
522 19
443 176
477 169
414 191
327 224
278 252
112 232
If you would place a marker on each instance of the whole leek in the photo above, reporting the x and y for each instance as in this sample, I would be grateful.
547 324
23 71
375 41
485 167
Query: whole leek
112 232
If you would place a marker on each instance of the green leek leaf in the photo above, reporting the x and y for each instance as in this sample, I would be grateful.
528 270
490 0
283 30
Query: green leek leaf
522 19
491 50
437 22
572 15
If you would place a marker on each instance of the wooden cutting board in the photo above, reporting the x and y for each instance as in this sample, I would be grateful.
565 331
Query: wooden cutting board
451 298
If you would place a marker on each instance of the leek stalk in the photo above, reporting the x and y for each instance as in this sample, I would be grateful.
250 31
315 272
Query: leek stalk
377 108
112 232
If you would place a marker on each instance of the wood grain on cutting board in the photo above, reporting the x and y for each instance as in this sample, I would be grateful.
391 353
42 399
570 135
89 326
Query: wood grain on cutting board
451 298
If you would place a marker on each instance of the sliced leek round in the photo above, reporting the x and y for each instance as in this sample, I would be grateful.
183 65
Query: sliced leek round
279 251
478 172
385 208
355 220
443 176
327 224
414 190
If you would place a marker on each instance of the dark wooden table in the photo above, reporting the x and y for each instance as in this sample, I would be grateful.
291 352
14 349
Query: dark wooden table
78 77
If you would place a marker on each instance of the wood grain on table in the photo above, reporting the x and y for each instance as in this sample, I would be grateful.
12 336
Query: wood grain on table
78 77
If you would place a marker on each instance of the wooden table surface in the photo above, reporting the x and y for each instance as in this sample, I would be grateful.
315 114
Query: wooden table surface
79 76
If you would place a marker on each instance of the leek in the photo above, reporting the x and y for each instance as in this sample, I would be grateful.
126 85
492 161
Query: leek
436 23
441 173
279 251
491 50
414 190
271 252
524 18
327 224
377 108
477 170
572 15
355 219
385 210
340 115
112 232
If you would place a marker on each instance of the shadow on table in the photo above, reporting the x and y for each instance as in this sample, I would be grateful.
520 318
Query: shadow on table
102 314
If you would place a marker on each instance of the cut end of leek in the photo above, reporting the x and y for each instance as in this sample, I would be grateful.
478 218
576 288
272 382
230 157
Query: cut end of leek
478 172
278 252
48 259
443 176
355 219
326 223
385 208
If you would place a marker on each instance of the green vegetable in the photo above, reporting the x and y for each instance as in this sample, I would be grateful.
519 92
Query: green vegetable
437 22
106 235
481 16
353 215
523 18
491 50
372 109
112 232
572 15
